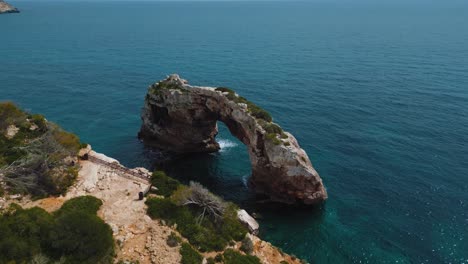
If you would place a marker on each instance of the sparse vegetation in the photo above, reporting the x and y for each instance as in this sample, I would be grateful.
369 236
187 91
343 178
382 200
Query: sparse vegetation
36 156
71 236
233 257
208 222
272 128
247 245
254 109
273 138
164 85
190 255
207 203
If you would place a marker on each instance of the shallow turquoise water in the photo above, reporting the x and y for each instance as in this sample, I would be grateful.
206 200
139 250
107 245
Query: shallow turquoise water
377 94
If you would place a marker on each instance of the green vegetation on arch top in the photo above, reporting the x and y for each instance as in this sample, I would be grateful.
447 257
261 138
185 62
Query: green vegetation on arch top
254 109
263 117
73 234
36 156
157 89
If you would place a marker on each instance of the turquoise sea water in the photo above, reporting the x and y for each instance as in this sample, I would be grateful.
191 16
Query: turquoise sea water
376 93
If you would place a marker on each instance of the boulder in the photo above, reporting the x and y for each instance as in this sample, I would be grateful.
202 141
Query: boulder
7 8
248 221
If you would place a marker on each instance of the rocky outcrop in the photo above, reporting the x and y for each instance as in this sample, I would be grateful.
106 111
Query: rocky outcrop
7 8
182 118
248 221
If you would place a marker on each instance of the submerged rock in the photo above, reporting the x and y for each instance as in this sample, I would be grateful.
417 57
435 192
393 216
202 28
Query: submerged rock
182 118
7 8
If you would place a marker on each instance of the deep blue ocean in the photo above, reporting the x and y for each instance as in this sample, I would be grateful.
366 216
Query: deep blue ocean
375 92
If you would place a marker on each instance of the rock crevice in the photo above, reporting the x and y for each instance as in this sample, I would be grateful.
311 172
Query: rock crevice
182 118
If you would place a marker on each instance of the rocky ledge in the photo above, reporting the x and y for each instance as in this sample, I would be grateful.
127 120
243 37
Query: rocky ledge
7 8
182 118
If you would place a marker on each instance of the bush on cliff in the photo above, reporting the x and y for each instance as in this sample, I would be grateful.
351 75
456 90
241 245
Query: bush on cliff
76 236
190 255
205 233
254 109
87 204
233 257
165 184
36 156
247 245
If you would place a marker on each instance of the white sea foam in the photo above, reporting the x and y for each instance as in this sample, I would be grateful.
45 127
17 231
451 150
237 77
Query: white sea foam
225 144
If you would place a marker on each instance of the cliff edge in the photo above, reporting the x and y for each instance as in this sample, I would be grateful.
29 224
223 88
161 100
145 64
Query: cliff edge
182 118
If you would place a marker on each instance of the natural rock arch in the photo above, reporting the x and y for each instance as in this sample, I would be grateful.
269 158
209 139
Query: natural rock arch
182 118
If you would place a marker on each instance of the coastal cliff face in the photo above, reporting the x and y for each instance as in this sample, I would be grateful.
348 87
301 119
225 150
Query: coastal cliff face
7 8
182 118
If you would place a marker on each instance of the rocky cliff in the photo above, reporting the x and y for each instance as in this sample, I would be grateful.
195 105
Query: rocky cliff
7 8
182 118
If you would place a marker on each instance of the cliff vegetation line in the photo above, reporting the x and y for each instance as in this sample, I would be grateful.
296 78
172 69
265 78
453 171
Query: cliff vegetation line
37 157
206 222
72 234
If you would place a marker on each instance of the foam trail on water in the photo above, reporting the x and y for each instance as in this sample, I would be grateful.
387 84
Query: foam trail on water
225 144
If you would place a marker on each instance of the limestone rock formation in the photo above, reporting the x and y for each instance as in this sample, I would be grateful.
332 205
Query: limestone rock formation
249 221
7 8
182 118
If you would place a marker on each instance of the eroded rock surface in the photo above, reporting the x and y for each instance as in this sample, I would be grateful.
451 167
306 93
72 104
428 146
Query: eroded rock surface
7 8
182 118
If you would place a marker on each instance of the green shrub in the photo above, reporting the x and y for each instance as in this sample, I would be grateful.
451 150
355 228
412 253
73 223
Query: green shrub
10 114
233 257
68 140
207 235
210 261
162 208
82 238
22 233
254 109
39 121
247 245
225 90
273 138
87 204
38 155
77 236
284 262
260 113
190 255
165 185
232 228
218 258
272 128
